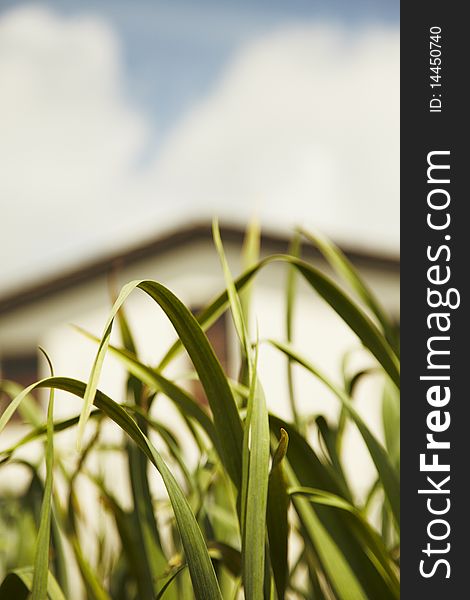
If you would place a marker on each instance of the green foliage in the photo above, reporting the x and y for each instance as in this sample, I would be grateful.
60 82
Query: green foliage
262 512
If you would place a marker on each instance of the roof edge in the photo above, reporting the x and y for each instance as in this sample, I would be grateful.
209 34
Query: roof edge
270 241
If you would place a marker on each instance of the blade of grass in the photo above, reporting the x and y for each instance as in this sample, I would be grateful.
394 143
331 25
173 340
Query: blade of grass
40 431
171 444
152 558
131 540
350 384
169 581
277 517
41 554
250 256
291 288
254 534
329 436
255 463
234 299
391 422
29 409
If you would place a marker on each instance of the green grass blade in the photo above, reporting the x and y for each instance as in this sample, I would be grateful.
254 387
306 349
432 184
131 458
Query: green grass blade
391 422
250 256
385 469
255 451
291 289
349 383
173 449
127 524
28 409
234 300
254 534
14 405
152 557
40 431
277 517
168 582
329 437
41 555
94 587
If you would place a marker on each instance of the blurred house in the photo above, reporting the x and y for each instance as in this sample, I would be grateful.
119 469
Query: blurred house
185 260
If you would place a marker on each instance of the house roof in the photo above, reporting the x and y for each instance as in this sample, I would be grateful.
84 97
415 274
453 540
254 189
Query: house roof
270 242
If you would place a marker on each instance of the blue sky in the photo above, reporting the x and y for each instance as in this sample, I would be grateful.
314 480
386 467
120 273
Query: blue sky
173 51
120 119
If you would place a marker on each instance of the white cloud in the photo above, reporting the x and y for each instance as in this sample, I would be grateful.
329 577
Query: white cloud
69 141
303 123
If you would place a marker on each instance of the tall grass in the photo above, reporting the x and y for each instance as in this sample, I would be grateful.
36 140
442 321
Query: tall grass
260 513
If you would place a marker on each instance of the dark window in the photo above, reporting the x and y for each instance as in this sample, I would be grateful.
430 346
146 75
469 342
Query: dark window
20 368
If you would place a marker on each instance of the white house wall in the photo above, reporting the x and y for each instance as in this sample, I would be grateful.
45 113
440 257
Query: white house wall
194 275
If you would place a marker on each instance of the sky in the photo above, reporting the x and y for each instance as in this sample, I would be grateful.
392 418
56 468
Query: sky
120 120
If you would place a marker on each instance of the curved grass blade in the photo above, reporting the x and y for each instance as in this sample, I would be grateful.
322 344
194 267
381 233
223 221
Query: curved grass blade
391 422
385 469
250 256
131 541
169 581
291 288
255 451
234 300
14 405
28 409
94 587
277 517
154 380
171 444
41 554
41 430
211 375
350 384
254 532
148 544
330 438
